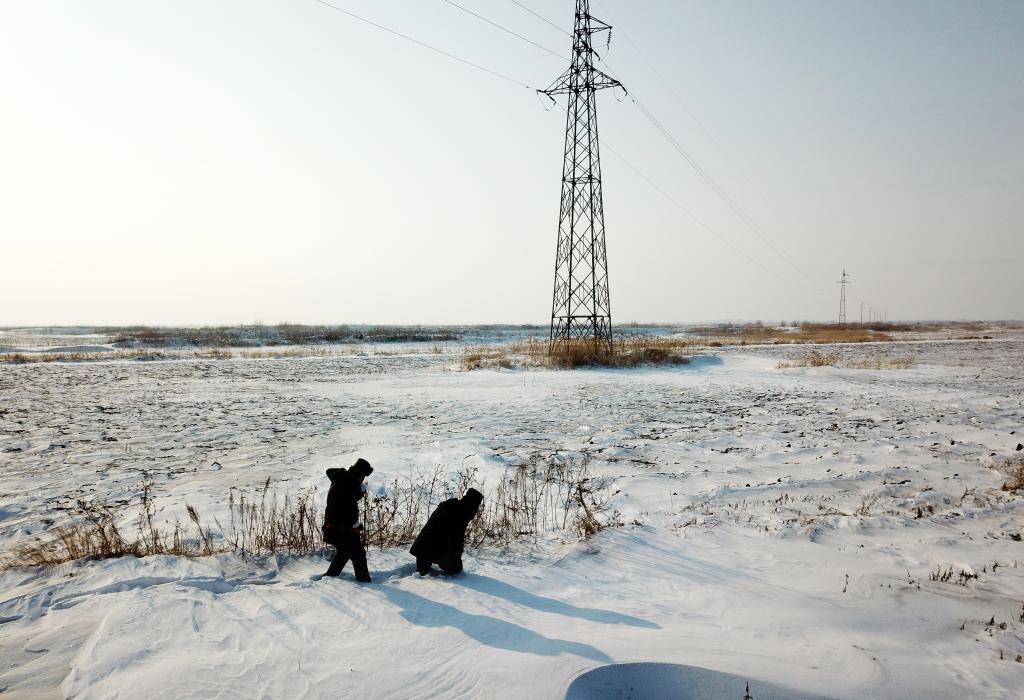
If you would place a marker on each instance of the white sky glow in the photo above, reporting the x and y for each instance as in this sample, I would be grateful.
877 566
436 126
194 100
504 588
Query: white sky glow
194 162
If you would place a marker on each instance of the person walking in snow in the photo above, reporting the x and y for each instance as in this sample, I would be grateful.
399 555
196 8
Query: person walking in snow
441 540
341 519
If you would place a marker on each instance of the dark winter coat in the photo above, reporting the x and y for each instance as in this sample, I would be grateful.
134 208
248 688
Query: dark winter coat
442 537
343 500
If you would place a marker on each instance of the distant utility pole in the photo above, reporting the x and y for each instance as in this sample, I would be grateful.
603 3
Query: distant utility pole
581 304
842 298
862 313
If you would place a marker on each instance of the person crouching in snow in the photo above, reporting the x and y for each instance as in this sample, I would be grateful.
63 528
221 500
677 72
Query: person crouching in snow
341 519
441 540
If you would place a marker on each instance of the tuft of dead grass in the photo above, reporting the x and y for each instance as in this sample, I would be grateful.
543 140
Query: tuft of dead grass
259 335
272 523
803 333
136 354
530 499
97 535
542 495
811 359
882 362
625 352
832 359
1013 467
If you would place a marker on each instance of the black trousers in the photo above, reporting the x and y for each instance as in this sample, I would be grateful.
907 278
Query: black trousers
450 564
349 546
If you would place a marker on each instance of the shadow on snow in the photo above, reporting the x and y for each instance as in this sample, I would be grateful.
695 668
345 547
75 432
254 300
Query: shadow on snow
500 589
491 631
638 681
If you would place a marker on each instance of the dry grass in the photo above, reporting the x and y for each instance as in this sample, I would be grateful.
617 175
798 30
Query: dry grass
300 351
882 362
259 335
831 359
143 354
272 524
812 359
811 333
137 354
542 496
531 499
96 535
1013 467
625 352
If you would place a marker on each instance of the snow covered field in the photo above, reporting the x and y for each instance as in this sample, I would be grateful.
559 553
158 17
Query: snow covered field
781 527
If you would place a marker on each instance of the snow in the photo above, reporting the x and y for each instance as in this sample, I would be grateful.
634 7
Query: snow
771 531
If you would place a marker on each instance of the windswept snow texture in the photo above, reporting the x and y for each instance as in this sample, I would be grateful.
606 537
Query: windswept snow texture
779 528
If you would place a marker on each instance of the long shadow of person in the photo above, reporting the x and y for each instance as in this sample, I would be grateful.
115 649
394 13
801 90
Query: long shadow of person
491 631
500 589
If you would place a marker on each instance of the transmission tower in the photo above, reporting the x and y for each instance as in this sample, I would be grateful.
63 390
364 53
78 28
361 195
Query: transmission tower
581 305
842 298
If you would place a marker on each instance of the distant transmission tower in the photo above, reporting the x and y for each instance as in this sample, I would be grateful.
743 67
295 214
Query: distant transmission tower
842 298
581 305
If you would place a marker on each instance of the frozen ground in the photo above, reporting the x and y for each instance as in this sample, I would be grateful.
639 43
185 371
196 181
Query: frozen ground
780 527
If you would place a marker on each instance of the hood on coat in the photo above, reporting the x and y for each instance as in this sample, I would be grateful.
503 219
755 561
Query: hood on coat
470 503
360 470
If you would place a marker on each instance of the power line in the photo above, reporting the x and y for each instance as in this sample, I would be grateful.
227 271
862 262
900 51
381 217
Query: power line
504 29
713 184
722 194
540 17
425 45
689 213
661 78
647 113
674 93
729 201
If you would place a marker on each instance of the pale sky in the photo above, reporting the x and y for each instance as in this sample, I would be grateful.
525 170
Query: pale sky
227 161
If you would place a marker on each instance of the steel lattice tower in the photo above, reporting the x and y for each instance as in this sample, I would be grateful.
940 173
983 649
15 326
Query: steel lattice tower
581 305
842 298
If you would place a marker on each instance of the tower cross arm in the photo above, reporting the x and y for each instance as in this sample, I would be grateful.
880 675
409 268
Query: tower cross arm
594 25
560 86
594 80
603 80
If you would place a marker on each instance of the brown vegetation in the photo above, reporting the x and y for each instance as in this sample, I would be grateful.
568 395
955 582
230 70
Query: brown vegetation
258 335
531 499
625 352
816 333
882 362
1013 467
96 534
137 354
811 359
272 523
144 355
832 359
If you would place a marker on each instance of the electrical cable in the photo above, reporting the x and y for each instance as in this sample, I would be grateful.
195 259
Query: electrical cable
689 213
504 29
426 45
647 113
722 194
729 201
540 17
661 78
